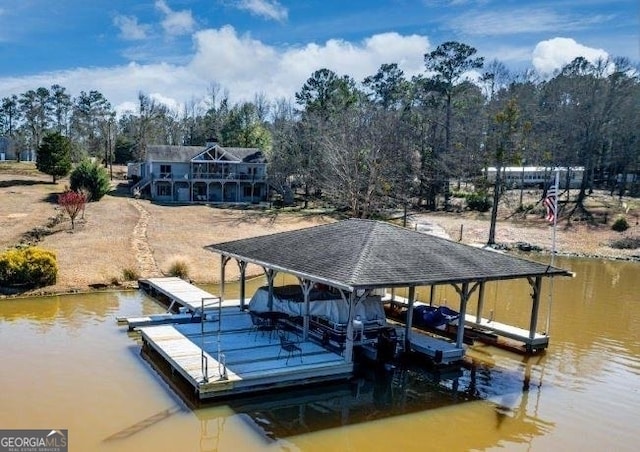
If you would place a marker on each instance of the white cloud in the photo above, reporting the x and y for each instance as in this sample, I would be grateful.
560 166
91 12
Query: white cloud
130 29
246 66
553 54
521 20
269 9
496 23
238 63
175 23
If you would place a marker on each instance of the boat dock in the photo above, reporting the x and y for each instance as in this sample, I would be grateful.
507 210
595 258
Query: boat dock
229 356
226 353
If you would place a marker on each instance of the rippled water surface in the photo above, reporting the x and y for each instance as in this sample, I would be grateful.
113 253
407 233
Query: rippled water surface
67 365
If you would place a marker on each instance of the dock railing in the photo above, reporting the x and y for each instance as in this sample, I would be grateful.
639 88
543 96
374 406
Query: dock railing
222 367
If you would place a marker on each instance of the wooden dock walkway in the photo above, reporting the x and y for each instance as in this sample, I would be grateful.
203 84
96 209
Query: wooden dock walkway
177 291
539 341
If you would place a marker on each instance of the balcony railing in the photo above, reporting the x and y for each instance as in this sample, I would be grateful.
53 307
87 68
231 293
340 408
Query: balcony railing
228 176
211 176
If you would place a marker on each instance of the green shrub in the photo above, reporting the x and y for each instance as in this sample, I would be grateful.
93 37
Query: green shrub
458 194
179 268
30 266
626 243
91 177
478 201
620 225
130 274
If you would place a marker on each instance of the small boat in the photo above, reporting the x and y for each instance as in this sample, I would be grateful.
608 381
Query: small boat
434 316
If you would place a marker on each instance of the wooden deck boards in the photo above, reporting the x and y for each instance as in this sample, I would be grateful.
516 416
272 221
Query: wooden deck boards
440 350
182 292
508 331
254 360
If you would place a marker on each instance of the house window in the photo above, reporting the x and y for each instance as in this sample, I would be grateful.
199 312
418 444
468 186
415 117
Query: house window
165 170
163 189
248 192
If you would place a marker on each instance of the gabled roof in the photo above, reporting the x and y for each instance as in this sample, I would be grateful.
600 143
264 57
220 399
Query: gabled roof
176 154
167 153
354 254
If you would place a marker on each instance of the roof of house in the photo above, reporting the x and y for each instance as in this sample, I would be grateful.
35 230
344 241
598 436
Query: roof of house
168 153
354 254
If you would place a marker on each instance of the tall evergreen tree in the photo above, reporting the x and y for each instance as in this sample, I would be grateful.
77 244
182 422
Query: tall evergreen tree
54 155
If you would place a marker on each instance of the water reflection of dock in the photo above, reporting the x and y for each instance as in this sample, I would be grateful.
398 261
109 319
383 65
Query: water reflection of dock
276 417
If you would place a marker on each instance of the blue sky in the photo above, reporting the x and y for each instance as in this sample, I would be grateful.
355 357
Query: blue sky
175 50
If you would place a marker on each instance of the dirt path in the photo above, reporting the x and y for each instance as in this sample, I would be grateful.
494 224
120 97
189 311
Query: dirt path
144 254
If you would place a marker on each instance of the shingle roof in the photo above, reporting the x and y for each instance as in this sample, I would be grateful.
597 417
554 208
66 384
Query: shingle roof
167 153
247 155
365 254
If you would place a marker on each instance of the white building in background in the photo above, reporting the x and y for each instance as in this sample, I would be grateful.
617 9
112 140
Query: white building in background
8 151
536 176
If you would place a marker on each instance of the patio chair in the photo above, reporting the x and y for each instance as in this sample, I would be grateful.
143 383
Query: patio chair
262 325
289 347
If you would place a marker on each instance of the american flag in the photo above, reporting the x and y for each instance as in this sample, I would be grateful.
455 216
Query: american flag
551 203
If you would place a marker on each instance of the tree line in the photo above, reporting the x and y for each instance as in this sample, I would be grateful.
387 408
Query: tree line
387 140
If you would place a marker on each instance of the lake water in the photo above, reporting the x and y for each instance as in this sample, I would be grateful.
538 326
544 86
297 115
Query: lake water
67 365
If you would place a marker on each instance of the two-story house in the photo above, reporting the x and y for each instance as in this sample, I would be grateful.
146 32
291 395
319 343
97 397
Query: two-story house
202 174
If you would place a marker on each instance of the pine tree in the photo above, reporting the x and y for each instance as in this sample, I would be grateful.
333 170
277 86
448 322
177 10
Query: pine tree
54 156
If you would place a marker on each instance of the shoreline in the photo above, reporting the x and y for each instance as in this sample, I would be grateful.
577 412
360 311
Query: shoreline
120 236
50 291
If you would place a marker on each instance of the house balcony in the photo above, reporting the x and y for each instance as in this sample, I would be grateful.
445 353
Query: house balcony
209 177
228 177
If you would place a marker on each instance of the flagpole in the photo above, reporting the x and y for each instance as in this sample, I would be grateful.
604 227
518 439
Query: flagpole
553 246
555 217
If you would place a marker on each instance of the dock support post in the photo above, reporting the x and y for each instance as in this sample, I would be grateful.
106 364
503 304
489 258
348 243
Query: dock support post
409 321
464 297
536 287
480 302
242 265
306 291
223 263
348 351
271 274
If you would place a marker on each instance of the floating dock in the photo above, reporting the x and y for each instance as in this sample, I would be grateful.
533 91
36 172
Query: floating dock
441 351
228 356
